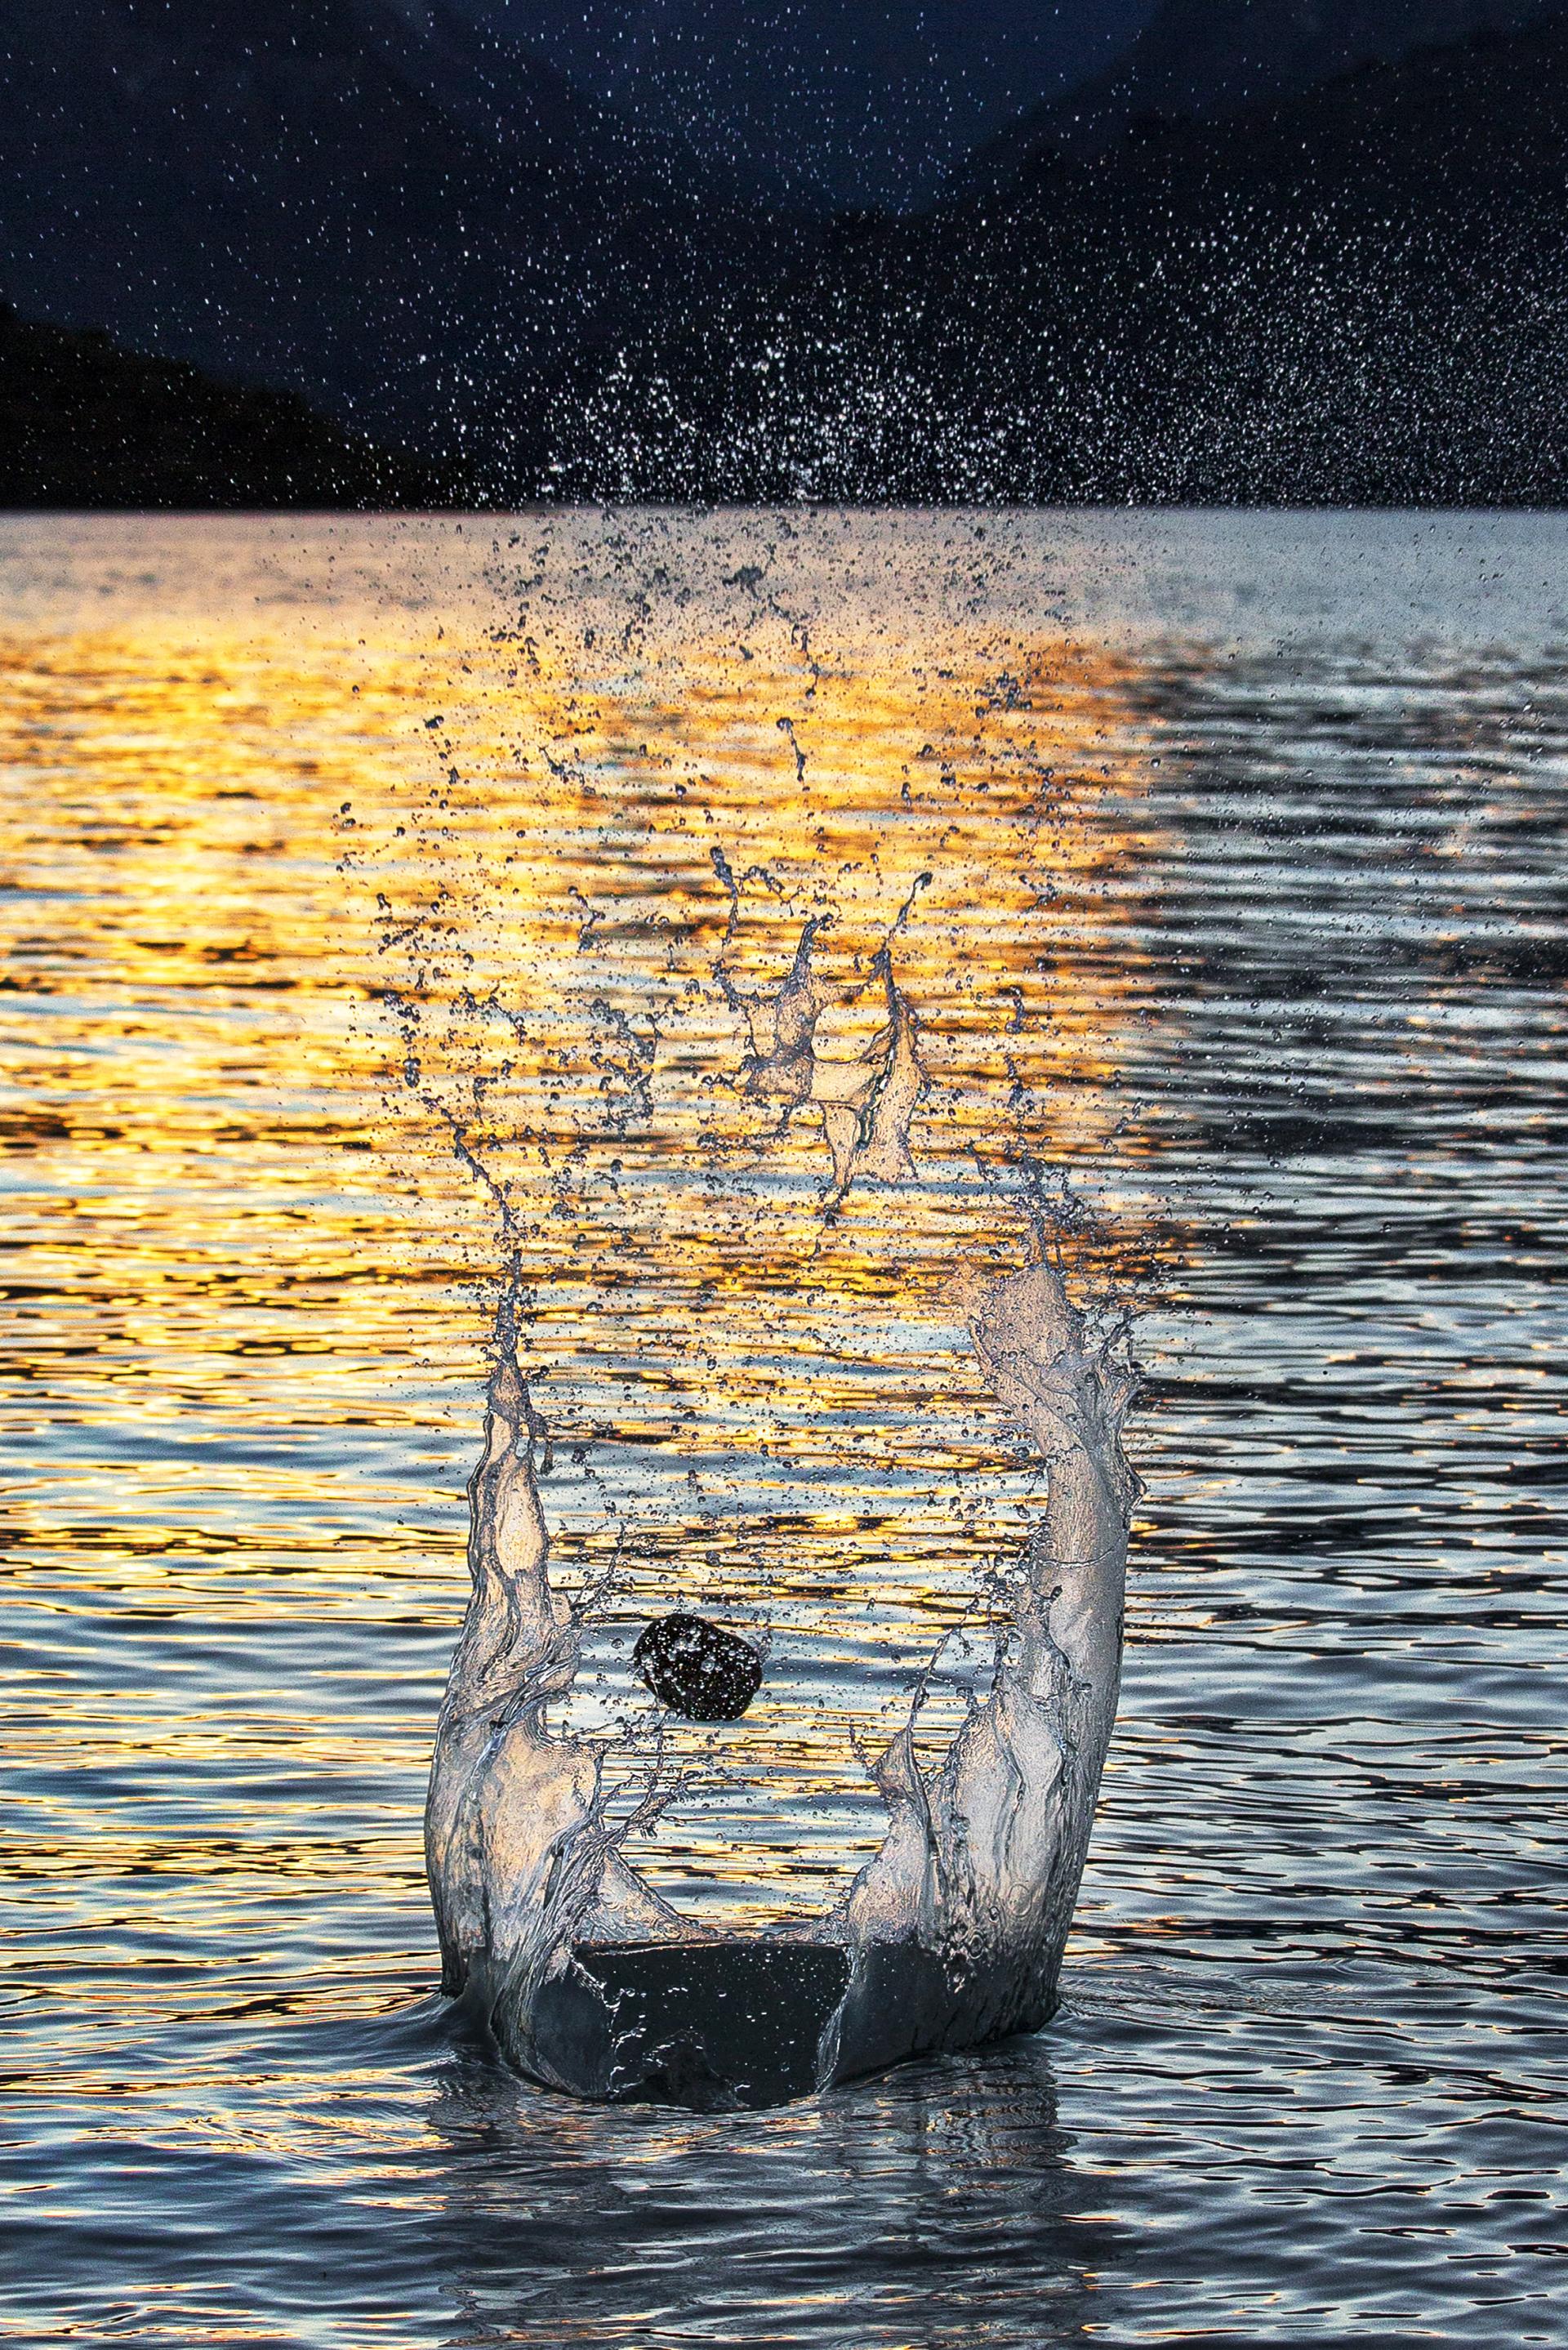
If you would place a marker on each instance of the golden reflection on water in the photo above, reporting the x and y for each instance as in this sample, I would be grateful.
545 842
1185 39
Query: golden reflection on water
291 906
241 1395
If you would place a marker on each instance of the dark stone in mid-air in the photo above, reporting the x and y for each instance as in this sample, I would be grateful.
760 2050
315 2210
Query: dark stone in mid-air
695 1669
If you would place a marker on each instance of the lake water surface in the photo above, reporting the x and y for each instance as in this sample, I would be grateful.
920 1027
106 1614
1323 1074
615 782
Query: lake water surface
356 876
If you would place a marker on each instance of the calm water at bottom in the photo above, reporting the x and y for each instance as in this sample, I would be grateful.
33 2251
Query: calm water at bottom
1307 2084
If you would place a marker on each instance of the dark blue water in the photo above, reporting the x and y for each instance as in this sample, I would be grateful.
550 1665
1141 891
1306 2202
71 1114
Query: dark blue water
1307 2083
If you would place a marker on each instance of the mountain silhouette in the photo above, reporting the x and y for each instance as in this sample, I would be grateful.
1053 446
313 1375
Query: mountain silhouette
1356 290
88 424
1356 293
834 106
1211 58
369 202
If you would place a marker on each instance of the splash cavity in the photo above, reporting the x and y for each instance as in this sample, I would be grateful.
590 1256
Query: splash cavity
953 1932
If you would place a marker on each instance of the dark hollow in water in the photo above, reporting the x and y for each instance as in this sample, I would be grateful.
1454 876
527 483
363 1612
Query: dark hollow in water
715 2025
696 1669
727 2023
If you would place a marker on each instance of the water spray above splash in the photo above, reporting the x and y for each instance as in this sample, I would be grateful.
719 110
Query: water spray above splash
865 1104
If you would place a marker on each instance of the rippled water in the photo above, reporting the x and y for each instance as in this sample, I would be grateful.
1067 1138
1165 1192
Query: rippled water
1246 907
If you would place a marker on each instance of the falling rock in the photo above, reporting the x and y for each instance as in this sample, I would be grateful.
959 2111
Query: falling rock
696 1669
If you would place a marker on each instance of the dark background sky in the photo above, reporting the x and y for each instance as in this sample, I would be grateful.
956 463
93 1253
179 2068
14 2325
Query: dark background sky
866 102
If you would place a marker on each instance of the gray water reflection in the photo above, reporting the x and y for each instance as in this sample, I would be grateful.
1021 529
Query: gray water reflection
933 2207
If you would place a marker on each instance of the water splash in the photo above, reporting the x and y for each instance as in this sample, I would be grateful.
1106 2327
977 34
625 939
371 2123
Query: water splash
958 1923
950 1935
781 1028
865 1104
736 1117
521 1854
867 1127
